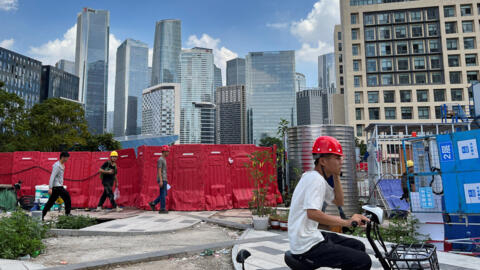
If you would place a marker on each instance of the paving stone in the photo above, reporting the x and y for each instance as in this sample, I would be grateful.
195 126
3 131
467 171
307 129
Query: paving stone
144 217
188 221
136 230
116 226
162 220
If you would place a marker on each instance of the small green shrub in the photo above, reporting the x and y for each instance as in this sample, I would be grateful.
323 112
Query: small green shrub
75 222
400 230
20 235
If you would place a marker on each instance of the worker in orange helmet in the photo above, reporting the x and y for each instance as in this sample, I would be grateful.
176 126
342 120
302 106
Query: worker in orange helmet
307 242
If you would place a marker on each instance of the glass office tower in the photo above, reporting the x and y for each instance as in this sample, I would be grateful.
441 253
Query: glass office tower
166 52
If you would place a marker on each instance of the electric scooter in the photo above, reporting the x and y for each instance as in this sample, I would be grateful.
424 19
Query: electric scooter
399 257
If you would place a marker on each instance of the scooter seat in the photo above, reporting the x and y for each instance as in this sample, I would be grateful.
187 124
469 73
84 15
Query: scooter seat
297 264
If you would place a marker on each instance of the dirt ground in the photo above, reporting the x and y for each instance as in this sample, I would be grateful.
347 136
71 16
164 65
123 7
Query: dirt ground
70 250
222 260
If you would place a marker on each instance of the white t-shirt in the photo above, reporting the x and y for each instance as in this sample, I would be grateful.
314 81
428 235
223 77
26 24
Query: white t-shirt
311 191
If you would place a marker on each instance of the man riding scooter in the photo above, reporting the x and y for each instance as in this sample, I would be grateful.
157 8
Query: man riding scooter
307 243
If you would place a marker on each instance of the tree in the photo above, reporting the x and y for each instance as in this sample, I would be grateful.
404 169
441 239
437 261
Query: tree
102 142
12 122
56 123
270 141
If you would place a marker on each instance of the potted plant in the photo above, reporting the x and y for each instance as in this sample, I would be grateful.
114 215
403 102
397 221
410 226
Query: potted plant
261 182
284 222
275 220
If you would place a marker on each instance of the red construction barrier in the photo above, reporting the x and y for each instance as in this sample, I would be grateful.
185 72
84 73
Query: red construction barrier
128 177
6 161
47 159
217 178
24 169
95 187
241 184
147 165
274 195
187 192
77 178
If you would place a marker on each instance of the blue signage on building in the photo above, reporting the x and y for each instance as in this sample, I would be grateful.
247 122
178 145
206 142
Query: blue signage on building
446 151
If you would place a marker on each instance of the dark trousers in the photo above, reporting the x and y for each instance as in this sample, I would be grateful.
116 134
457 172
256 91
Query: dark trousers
58 192
107 192
339 252
162 197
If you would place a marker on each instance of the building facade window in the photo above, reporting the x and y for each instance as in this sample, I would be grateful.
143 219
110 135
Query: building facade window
403 79
417 46
359 130
355 49
371 65
354 18
419 63
471 59
439 95
472 76
402 63
370 50
438 112
405 95
369 19
358 97
407 113
450 27
417 30
435 62
466 10
402 47
374 113
400 31
434 45
356 65
453 60
467 26
437 77
422 95
452 44
424 112
449 11
357 81
386 64
385 49
389 96
432 30
358 114
455 77
390 113
384 32
383 18
400 17
415 16
420 78
355 34
469 43
457 94
372 96
369 34
372 80
387 79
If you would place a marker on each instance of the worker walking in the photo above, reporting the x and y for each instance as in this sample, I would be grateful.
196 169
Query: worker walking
56 188
108 174
406 180
162 181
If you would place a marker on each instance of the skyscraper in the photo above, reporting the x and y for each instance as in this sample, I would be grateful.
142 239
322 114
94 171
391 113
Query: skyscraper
217 77
300 82
326 71
166 52
231 115
270 85
197 105
161 109
130 81
91 65
21 75
65 65
236 71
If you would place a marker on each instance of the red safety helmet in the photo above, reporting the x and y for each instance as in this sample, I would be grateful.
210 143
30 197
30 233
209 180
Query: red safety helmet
327 145
166 148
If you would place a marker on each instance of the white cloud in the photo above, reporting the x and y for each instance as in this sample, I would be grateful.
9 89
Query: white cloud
7 43
52 51
310 54
278 25
220 55
319 23
8 5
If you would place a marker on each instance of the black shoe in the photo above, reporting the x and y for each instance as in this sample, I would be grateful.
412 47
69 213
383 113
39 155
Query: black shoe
152 205
163 211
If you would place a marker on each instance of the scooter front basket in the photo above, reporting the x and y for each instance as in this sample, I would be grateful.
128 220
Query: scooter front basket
413 256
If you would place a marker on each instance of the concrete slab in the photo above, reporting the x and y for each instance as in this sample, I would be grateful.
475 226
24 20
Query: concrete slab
19 265
269 254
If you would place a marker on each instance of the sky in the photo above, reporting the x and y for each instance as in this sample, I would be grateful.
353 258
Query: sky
46 30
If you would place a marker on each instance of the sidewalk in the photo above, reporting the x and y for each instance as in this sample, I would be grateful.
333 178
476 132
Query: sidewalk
18 265
269 254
